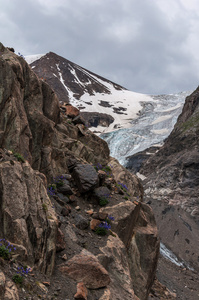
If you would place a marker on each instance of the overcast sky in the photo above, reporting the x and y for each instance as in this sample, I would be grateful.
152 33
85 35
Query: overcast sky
148 46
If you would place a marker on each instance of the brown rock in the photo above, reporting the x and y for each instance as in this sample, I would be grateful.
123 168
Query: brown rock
82 292
90 212
85 267
102 176
71 111
64 257
11 291
94 223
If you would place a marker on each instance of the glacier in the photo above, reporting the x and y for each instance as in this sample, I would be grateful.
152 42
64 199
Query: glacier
153 124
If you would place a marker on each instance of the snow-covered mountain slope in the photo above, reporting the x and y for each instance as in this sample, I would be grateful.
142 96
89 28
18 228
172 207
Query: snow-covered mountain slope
88 91
140 121
31 58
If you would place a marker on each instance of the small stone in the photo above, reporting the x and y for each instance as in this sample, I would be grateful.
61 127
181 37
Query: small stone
42 287
94 223
65 211
82 291
90 212
77 208
64 257
65 188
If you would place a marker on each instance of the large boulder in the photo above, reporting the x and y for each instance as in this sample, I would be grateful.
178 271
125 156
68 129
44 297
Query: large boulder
85 267
86 177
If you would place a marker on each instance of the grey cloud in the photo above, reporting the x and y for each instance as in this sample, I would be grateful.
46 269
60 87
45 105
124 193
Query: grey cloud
133 43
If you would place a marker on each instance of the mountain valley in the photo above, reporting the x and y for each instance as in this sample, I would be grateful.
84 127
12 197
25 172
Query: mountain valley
168 169
80 154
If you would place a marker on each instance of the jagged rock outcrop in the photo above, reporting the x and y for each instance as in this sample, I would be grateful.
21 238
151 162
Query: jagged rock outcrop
47 146
140 238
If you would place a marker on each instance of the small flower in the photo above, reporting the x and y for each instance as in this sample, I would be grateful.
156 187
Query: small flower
111 218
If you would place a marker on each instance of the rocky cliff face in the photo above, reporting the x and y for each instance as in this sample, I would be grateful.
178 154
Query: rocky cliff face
172 184
58 187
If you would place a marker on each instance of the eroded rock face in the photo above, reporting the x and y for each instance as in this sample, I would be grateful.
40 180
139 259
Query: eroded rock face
23 219
175 165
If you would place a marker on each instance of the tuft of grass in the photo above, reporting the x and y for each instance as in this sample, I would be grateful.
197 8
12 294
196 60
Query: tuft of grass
18 279
103 201
103 228
44 206
19 157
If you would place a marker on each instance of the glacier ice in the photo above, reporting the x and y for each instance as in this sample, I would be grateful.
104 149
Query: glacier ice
155 121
